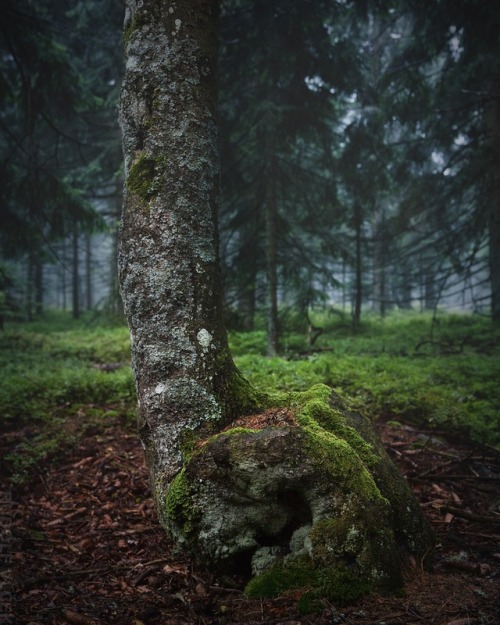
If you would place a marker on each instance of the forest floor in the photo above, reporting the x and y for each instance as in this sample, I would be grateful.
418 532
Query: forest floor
86 547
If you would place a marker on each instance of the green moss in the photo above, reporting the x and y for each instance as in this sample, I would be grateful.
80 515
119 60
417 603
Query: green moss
236 431
143 177
299 574
351 547
178 506
340 461
138 21
338 446
339 586
316 403
235 392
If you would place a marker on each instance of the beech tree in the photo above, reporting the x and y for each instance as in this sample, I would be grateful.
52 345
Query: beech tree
291 491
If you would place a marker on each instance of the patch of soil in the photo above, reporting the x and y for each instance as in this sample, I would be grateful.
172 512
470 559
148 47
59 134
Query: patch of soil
85 546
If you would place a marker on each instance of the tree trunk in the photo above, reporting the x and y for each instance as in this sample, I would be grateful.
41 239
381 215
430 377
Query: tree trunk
493 131
272 257
28 297
429 286
305 490
379 298
168 253
62 270
358 287
246 302
38 285
403 286
88 272
75 287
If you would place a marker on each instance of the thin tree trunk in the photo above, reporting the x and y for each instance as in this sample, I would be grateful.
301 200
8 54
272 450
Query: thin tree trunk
28 299
272 259
246 302
38 286
62 268
430 297
358 293
403 286
75 286
493 130
344 283
379 260
88 272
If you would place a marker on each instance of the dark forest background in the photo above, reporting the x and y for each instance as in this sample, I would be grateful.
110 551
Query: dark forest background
359 145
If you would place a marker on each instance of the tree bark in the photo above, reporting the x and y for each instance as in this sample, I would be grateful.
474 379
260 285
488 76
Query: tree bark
88 272
358 288
272 257
168 254
38 285
493 133
76 273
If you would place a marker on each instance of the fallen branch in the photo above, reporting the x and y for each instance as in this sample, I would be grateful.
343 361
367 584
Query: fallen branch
78 619
61 577
484 478
463 514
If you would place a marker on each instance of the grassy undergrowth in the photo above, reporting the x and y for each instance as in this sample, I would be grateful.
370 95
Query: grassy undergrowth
442 374
52 388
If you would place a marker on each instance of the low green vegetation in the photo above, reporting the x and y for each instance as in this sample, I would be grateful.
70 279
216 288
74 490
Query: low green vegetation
56 374
59 377
441 372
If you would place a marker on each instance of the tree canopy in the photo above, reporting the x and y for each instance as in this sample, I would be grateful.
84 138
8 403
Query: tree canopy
359 146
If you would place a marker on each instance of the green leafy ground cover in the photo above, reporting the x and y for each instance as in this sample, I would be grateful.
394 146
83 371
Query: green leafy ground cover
443 374
51 386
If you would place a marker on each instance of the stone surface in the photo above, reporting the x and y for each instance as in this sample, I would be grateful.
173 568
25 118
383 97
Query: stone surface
320 493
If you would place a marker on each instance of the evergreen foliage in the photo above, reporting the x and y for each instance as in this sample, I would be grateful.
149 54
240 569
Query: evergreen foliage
60 66
385 183
359 148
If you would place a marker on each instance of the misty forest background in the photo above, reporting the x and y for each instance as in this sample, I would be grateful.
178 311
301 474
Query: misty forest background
359 216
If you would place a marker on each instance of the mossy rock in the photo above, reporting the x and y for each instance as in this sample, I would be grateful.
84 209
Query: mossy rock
315 504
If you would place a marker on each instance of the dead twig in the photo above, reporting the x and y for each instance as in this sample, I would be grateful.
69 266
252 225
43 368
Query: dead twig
470 516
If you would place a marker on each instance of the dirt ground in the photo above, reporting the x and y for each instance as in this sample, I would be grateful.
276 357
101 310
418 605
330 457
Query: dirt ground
86 548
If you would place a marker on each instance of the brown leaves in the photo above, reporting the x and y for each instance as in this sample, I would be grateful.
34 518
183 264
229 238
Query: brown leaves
89 549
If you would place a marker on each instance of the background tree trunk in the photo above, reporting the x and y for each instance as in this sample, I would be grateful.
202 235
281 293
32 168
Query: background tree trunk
272 257
88 272
493 133
76 273
28 293
358 285
38 276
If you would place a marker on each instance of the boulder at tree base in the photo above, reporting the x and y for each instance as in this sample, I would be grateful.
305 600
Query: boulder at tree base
314 504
